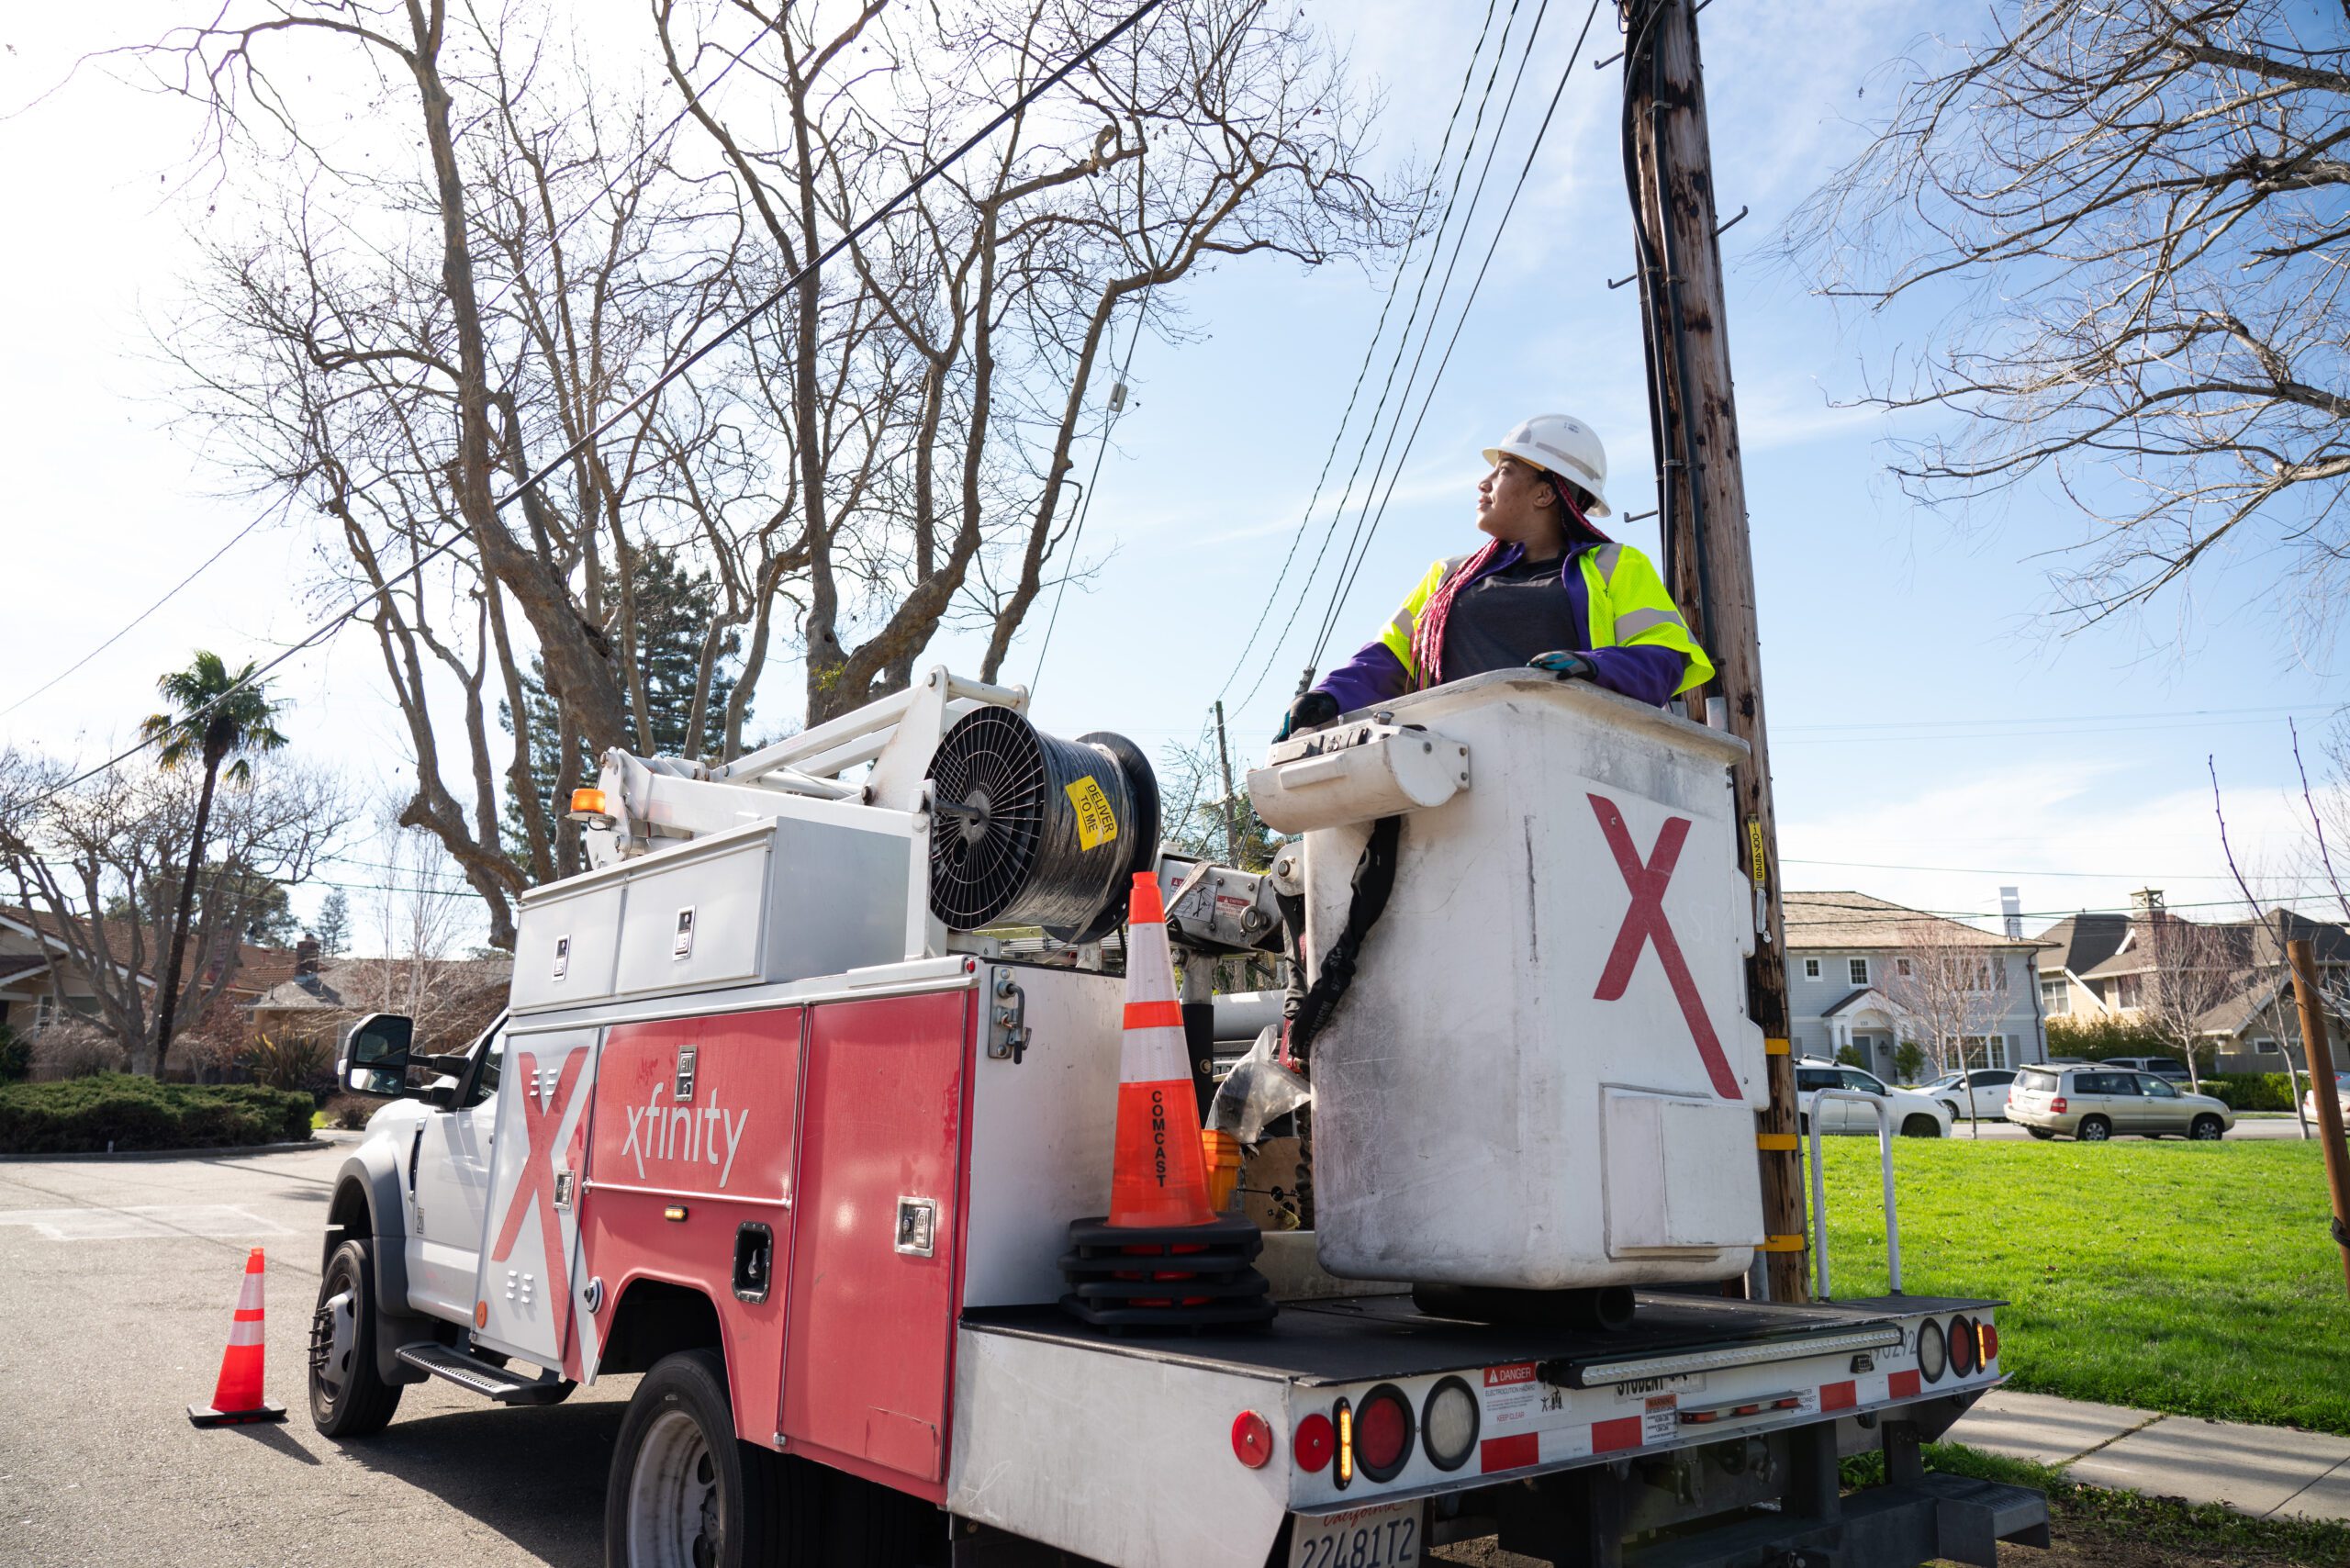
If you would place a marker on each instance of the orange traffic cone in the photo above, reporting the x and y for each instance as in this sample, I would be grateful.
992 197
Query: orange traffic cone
236 1398
1160 1175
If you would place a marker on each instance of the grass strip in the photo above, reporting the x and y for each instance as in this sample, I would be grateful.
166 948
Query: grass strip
2131 1517
2196 1279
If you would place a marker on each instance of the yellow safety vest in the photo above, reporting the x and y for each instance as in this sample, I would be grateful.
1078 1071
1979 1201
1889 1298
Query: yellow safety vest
1629 609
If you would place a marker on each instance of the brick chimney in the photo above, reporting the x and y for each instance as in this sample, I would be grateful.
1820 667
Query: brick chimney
306 956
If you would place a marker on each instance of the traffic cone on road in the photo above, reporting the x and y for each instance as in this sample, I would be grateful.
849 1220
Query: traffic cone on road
237 1398
1160 1174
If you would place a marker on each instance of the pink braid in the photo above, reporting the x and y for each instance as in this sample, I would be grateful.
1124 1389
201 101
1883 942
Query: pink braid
1427 631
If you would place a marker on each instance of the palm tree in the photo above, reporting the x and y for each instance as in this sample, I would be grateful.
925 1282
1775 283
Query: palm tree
218 716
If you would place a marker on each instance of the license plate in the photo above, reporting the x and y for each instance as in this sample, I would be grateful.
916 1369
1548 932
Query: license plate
1385 1537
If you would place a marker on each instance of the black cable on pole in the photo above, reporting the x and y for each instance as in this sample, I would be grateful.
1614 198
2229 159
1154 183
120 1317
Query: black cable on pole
676 368
1368 528
1085 501
1369 352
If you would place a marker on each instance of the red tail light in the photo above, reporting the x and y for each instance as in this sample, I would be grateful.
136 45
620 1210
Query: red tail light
1317 1439
2056 1107
1963 1346
1383 1432
1989 1335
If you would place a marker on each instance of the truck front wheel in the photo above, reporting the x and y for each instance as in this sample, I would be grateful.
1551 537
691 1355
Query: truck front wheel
685 1493
347 1399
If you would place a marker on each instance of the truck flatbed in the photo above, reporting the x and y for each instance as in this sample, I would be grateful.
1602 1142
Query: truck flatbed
1383 1338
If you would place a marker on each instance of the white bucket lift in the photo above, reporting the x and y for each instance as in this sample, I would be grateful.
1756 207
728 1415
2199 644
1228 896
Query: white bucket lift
1542 1076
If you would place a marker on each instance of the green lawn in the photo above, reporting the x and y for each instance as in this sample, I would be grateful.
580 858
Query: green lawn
2191 1278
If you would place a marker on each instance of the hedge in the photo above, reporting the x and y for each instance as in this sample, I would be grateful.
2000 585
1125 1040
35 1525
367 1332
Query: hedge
84 1115
2250 1091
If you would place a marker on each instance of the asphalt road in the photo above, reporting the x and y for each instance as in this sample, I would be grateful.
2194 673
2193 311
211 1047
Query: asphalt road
116 1281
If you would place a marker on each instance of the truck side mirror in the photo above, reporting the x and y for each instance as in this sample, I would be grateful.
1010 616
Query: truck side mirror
376 1056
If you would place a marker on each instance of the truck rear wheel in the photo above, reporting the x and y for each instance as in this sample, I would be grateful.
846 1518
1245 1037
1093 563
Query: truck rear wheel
685 1493
347 1399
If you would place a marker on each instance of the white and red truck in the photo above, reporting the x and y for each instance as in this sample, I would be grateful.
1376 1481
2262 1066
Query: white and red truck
771 1124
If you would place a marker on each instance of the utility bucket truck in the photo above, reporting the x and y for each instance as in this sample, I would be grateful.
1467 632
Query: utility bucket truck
774 1125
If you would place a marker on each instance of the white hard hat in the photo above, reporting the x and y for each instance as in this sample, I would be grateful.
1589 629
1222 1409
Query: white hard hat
1563 446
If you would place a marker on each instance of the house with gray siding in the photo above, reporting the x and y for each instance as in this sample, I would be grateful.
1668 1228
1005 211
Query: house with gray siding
1857 970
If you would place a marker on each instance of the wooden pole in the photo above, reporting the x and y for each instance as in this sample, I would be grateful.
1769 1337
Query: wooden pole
1709 563
2320 1050
1231 801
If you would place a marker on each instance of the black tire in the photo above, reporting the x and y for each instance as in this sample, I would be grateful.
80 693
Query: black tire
348 1397
1955 1113
2094 1129
756 1508
2207 1128
1921 1125
2043 1134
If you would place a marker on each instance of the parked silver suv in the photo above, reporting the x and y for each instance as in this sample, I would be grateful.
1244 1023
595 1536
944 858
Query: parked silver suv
2093 1103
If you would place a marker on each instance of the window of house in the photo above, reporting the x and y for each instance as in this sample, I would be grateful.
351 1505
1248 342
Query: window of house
1901 967
2268 1047
2129 990
1811 968
1860 970
44 1010
2055 997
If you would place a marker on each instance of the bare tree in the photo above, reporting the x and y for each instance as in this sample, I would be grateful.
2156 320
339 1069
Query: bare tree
390 341
1955 990
110 842
2193 969
2132 216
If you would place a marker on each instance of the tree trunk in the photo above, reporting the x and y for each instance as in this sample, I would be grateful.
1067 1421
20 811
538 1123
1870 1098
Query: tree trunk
167 982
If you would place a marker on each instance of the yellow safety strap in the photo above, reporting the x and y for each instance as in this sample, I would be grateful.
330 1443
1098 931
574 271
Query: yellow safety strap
1777 1049
1782 1244
1775 1140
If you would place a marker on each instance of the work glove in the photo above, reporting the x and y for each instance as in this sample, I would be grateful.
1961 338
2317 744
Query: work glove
1565 665
1310 712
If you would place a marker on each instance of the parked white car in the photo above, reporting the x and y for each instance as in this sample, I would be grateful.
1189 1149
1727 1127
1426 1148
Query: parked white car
1914 1115
1986 1086
2342 1092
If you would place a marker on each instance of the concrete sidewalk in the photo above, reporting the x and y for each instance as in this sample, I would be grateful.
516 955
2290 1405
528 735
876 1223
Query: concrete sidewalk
2260 1471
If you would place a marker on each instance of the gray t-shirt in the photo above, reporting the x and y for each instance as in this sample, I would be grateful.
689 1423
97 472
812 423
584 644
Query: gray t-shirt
1507 617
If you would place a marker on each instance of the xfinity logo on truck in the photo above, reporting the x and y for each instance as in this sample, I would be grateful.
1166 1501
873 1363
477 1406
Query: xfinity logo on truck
685 1133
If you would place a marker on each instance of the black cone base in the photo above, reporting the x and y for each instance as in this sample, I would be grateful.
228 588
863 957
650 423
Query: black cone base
205 1415
1142 1279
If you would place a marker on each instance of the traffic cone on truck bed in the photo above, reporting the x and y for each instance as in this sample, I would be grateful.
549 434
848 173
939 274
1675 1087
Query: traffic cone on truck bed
237 1398
1163 1258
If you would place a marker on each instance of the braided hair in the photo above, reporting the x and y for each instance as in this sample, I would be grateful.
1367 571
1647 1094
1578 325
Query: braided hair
1427 632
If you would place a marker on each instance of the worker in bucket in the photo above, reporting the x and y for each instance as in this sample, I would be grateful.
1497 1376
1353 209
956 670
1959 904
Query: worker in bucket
1546 590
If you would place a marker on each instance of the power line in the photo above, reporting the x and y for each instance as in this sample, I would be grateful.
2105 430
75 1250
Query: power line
1085 502
2028 871
1342 589
554 236
1403 341
676 368
1369 352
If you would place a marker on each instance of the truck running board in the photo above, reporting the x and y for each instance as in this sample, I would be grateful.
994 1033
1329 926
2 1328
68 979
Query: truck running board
491 1382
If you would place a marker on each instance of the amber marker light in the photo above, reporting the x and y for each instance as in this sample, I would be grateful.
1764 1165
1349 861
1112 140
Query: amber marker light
586 803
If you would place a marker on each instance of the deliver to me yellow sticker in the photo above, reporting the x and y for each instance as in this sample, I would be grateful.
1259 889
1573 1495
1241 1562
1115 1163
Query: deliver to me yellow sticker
1096 823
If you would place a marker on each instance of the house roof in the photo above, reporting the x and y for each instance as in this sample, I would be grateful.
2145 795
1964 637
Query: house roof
2081 942
340 982
1869 995
1818 921
257 966
23 967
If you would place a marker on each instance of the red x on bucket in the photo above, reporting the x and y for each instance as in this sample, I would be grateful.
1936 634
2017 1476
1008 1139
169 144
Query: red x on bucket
1644 923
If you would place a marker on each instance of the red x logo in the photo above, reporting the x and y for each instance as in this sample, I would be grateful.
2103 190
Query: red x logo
535 1188
1644 923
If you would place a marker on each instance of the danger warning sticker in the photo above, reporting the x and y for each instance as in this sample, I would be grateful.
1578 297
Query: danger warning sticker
1097 824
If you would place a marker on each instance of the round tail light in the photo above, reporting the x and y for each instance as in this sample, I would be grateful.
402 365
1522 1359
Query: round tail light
1252 1440
1961 1346
1449 1424
1316 1442
1990 1342
1383 1432
1933 1350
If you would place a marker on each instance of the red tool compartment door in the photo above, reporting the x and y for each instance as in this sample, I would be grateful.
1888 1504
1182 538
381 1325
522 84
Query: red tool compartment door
874 1266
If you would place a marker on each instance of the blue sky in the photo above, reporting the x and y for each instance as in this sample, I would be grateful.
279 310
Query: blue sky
1925 714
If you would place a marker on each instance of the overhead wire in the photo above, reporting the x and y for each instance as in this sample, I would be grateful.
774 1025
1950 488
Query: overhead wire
1403 341
546 246
1344 588
676 368
1085 501
1369 355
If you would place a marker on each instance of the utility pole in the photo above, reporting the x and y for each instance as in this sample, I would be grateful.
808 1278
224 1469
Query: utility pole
2319 1048
1231 801
1708 562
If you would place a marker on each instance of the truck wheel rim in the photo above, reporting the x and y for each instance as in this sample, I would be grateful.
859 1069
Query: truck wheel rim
334 1331
673 1512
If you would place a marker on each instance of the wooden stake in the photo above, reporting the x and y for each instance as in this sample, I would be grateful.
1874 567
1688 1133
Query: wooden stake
1709 563
2319 1051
